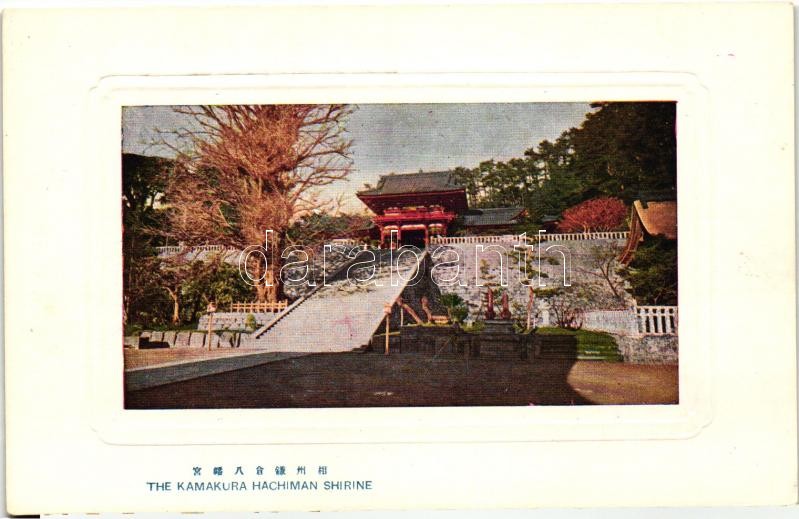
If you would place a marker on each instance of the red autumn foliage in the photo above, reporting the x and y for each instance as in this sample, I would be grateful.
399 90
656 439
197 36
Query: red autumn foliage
595 215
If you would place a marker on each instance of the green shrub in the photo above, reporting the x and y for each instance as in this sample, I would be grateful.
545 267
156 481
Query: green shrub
552 330
652 274
133 330
585 338
250 323
459 313
475 327
451 300
456 307
547 292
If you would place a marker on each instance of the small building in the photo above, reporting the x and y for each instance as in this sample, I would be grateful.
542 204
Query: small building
549 223
492 220
416 206
653 218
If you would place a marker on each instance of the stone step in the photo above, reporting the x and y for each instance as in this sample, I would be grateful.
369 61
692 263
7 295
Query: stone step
584 358
341 316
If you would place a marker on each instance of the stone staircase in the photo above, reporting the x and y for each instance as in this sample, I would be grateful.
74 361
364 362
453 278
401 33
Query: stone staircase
342 315
323 264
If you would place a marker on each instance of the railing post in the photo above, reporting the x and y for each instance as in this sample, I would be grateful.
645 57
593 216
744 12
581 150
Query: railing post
667 320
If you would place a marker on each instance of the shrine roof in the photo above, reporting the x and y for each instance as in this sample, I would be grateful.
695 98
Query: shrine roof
492 216
426 182
658 218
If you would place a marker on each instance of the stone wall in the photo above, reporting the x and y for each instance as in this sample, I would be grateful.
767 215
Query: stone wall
321 267
235 320
482 266
187 339
648 349
204 253
320 264
448 342
623 322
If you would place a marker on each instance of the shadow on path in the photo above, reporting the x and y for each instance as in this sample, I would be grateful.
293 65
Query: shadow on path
371 380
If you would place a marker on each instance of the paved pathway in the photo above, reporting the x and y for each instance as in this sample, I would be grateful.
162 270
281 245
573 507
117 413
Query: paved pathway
375 380
194 366
158 357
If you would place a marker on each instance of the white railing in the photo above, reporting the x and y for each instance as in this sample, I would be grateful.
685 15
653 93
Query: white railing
435 240
345 241
166 251
445 240
657 320
581 236
177 249
575 236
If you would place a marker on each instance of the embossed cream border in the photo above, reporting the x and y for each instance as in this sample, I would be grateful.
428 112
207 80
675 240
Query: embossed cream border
391 424
732 438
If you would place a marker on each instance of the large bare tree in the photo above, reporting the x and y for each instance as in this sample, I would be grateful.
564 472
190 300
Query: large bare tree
249 168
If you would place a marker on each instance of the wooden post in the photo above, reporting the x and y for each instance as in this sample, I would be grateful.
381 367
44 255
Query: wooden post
211 309
387 311
530 307
388 337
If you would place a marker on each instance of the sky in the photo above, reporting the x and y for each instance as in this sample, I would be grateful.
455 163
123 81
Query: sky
403 138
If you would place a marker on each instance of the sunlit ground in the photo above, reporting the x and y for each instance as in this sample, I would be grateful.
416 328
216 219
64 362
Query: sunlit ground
156 357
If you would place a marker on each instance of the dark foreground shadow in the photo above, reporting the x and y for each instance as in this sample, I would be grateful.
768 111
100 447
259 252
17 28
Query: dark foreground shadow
372 380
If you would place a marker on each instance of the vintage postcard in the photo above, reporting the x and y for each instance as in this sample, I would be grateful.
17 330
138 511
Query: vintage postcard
348 270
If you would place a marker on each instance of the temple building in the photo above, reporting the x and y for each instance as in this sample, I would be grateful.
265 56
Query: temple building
418 206
648 219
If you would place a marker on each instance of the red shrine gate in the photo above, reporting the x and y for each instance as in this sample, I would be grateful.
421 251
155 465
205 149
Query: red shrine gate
416 206
413 225
413 207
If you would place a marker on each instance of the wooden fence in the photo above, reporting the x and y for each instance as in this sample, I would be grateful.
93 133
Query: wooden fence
278 306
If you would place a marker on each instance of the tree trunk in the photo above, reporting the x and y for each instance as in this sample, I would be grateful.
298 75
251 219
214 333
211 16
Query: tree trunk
270 289
175 306
530 307
264 293
607 272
